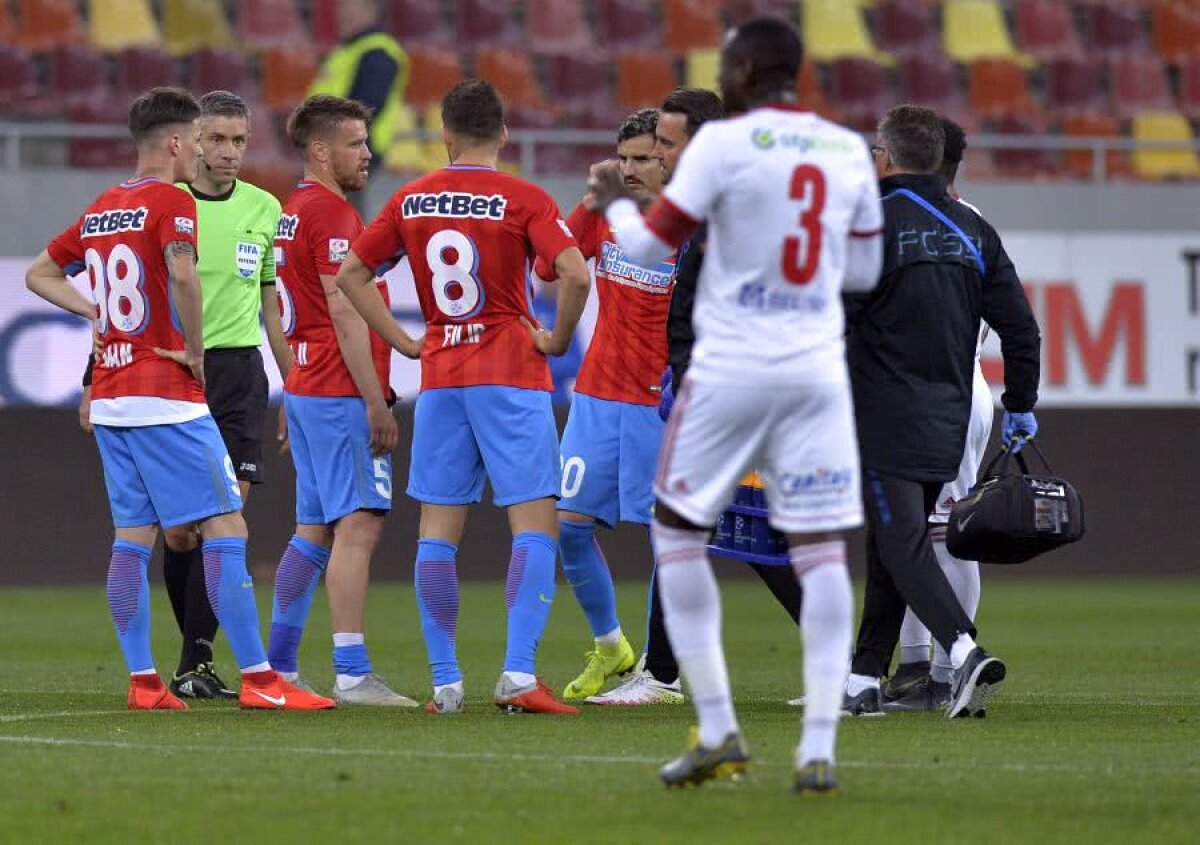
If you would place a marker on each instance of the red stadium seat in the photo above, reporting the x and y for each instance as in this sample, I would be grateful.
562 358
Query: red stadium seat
861 90
580 85
931 80
1023 164
142 68
998 87
513 75
77 74
557 26
417 23
1175 29
100 152
626 24
1072 85
644 78
1045 29
1189 87
286 74
323 20
905 28
1139 83
689 24
218 68
48 23
1112 27
20 90
741 11
8 29
270 23
432 72
808 90
481 23
1080 163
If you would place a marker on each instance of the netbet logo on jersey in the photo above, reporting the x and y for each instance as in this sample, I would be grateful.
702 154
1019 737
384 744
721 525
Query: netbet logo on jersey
113 221
453 204
286 231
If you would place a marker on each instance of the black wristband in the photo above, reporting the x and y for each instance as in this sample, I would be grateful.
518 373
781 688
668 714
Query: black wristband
87 374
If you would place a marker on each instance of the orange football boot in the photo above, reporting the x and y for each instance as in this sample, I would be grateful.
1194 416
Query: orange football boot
535 699
148 692
269 691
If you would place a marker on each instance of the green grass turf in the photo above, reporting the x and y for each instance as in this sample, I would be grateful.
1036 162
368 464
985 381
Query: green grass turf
1095 738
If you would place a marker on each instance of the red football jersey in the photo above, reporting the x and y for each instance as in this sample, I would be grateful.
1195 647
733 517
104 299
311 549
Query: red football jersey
469 233
628 352
120 240
315 231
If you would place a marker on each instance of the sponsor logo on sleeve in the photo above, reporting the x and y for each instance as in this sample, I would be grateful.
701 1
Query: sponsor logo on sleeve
339 248
185 226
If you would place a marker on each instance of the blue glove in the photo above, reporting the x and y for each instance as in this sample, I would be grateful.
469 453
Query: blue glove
1017 429
667 398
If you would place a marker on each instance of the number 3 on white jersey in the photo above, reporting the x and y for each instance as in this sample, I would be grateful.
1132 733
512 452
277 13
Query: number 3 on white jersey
802 251
453 260
117 288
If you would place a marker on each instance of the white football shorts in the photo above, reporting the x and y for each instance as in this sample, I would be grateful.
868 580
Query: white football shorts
979 430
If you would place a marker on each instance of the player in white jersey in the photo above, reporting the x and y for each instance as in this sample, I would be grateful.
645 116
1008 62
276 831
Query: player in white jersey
794 218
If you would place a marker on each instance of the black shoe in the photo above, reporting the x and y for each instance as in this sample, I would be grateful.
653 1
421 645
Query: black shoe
728 761
201 682
909 677
867 703
975 684
941 693
918 698
815 777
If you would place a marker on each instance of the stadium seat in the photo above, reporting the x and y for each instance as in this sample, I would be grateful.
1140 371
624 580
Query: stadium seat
262 24
644 78
8 29
581 86
1112 27
626 24
417 23
1175 29
745 10
47 23
975 29
115 153
77 74
1139 83
432 72
1080 163
688 24
405 155
142 68
700 68
116 24
20 90
512 73
905 28
323 22
931 80
1045 29
1189 87
808 90
998 87
481 23
286 74
557 26
276 176
1023 163
1072 85
191 24
861 91
1164 163
835 29
219 68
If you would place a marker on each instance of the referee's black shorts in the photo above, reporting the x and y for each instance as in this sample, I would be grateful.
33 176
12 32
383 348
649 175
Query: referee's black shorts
236 389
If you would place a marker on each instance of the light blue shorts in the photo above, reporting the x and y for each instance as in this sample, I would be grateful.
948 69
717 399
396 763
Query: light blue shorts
169 475
610 453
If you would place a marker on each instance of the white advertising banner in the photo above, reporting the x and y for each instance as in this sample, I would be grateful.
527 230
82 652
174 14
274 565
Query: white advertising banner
1119 315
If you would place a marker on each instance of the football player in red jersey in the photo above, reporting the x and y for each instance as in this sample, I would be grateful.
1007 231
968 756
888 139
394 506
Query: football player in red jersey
336 396
163 457
484 412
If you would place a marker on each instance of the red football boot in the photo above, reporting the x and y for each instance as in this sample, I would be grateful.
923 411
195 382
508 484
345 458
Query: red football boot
148 692
269 691
532 699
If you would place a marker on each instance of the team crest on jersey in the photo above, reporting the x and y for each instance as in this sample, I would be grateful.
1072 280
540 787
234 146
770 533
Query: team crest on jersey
185 226
248 256
286 230
112 221
339 248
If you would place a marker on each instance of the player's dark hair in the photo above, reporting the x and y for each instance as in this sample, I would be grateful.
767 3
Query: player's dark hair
641 122
223 104
952 149
914 138
319 116
473 109
698 105
774 51
160 107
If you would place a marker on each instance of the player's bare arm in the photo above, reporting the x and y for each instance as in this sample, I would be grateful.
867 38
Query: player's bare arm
184 283
356 281
605 186
354 341
280 350
47 280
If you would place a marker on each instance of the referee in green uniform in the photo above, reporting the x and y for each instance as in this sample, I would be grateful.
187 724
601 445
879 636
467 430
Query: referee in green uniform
235 228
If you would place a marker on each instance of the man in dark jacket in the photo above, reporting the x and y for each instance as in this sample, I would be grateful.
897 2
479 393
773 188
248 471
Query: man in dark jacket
911 351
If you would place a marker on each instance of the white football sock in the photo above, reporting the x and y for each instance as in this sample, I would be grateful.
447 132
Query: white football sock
914 639
826 622
289 676
962 647
521 679
692 616
457 686
610 639
963 576
857 683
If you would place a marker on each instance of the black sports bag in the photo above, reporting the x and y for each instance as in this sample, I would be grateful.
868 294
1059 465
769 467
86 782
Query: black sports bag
1010 517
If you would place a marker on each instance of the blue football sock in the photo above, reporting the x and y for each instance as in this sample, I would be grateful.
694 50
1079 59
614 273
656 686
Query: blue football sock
529 593
587 573
129 600
437 599
296 581
351 659
231 594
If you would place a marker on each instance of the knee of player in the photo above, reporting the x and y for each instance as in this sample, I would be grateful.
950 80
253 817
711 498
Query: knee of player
181 538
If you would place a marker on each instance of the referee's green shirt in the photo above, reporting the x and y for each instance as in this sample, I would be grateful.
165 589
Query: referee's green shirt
235 235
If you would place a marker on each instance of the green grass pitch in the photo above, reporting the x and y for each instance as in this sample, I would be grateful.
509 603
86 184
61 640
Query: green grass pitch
1095 738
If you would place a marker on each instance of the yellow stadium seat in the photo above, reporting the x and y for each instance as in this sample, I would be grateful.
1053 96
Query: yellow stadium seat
1160 163
408 154
117 24
835 29
191 24
975 29
701 68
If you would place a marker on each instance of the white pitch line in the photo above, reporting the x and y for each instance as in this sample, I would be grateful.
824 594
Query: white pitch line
560 759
